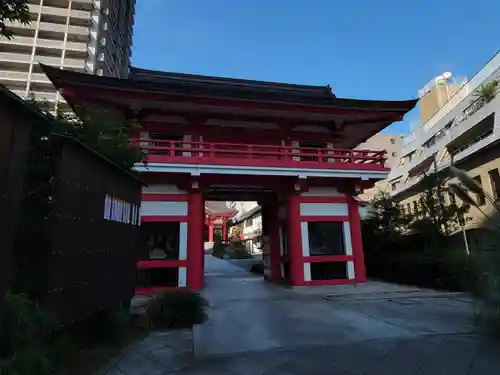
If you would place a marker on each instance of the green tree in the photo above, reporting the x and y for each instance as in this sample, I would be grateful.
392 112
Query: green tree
386 215
98 129
435 215
14 11
488 91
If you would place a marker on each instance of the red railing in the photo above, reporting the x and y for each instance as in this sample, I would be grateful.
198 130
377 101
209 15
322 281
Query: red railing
241 154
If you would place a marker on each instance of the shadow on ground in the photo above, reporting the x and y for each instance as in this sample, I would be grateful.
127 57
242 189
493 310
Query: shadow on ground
375 328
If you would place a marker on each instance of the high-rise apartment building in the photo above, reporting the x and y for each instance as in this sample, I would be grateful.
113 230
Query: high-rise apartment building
92 36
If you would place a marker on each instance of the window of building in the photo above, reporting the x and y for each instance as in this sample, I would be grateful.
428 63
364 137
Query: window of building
415 206
392 140
408 208
250 222
326 238
394 154
495 183
395 185
480 197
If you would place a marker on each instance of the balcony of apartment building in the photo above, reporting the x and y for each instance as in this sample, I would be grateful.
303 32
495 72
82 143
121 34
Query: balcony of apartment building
59 14
87 5
50 30
25 44
18 59
476 132
181 155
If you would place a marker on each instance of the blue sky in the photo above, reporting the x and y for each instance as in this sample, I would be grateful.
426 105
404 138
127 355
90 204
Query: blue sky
370 49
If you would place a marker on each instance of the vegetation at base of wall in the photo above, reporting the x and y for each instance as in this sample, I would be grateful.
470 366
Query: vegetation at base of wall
416 248
419 249
237 250
176 309
487 261
13 11
32 342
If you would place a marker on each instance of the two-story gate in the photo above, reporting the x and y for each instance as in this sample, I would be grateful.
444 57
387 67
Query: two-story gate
290 146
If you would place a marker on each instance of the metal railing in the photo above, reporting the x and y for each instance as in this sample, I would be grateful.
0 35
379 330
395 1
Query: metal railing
179 151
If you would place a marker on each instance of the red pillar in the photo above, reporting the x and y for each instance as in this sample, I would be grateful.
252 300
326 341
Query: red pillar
356 240
295 241
210 232
195 241
224 228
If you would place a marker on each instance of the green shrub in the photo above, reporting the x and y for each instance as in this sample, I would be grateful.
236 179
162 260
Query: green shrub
24 329
219 249
21 322
258 267
239 251
176 309
32 360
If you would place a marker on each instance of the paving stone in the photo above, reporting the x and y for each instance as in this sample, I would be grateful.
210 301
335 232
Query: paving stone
114 371
139 364
487 359
180 340
455 355
171 358
256 364
407 358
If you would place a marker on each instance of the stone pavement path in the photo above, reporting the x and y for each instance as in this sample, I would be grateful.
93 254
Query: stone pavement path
257 328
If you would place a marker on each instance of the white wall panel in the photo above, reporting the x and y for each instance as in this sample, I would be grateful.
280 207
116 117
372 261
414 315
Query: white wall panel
347 238
183 241
164 209
323 209
304 232
350 270
182 277
307 271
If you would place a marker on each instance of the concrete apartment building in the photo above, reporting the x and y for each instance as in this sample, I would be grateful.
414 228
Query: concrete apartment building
91 36
465 132
393 144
